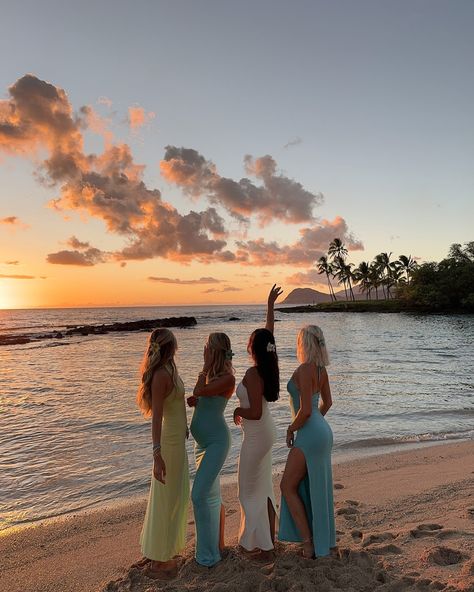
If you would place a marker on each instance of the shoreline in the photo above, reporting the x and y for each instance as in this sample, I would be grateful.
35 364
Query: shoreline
370 306
394 492
339 457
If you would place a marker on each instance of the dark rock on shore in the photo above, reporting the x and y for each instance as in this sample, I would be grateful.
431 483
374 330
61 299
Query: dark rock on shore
234 319
142 325
14 339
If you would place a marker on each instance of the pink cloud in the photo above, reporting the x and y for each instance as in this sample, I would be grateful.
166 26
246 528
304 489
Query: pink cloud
138 117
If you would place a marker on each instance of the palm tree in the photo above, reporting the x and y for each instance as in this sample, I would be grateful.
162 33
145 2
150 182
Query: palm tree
339 272
408 264
337 249
383 262
395 275
362 275
324 266
375 278
349 277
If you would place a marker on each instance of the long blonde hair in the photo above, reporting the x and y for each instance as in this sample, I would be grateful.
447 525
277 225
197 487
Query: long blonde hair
311 346
221 355
160 352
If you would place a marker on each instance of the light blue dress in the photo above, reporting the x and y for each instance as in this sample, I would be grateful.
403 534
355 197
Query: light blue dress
316 489
212 437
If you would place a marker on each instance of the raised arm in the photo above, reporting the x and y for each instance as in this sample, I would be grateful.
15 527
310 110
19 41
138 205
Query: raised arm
254 385
272 296
305 388
161 386
326 398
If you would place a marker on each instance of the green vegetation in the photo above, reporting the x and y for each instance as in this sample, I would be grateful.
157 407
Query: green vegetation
380 277
447 286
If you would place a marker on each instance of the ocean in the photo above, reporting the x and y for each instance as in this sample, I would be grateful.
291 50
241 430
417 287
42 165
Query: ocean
71 436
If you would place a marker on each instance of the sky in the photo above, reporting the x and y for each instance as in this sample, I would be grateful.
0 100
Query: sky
199 151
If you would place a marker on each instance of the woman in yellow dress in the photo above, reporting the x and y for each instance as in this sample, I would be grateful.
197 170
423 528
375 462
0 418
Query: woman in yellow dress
161 396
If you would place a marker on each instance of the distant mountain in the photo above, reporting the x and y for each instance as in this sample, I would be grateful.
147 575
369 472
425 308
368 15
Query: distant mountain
310 296
306 296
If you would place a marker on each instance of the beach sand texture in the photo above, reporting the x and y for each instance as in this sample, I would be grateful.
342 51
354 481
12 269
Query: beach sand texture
405 521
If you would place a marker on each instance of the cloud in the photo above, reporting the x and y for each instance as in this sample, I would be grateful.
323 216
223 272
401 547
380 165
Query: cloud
16 277
226 289
75 243
277 198
104 101
108 186
86 258
15 262
311 245
37 121
302 278
203 280
13 222
138 117
293 142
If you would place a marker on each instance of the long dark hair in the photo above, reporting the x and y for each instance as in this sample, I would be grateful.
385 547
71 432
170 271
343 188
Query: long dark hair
261 347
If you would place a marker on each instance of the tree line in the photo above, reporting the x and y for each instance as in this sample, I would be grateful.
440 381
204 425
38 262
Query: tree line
448 284
376 278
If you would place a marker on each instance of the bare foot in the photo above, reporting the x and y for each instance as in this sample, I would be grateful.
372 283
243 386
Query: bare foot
141 563
161 570
308 549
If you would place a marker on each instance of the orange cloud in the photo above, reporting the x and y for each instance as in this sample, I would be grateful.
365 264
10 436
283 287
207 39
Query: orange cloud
13 222
38 119
278 198
16 277
138 117
203 280
312 244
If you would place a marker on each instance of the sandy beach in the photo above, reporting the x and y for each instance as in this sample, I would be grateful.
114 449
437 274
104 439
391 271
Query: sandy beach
405 521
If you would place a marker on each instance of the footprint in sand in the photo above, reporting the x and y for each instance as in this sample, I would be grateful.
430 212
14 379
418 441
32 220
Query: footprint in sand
349 511
385 549
357 535
424 530
381 537
338 486
470 512
443 556
231 511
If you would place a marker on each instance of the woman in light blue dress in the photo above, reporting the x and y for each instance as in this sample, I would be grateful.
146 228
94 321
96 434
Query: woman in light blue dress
214 387
307 506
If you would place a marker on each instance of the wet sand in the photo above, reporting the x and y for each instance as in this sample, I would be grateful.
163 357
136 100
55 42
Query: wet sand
405 521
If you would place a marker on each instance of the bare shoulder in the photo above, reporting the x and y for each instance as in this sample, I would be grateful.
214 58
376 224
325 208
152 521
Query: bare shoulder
305 369
161 376
252 376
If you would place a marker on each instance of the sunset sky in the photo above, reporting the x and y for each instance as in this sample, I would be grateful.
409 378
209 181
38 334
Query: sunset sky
196 151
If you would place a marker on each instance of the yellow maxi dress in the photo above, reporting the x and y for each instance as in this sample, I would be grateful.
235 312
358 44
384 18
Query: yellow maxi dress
164 529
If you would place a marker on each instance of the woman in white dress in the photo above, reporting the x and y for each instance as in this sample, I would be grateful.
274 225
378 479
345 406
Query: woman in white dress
260 385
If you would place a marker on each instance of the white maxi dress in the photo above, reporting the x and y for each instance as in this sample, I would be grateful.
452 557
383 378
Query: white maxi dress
255 476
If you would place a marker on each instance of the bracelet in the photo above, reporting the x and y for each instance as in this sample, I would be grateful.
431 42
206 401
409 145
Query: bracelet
156 448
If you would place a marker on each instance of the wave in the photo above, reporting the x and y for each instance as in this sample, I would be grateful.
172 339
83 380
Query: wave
408 439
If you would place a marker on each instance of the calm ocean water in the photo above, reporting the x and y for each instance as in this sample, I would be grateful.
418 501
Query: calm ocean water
71 436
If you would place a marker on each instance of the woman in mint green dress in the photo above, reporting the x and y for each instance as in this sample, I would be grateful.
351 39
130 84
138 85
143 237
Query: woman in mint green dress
307 506
214 387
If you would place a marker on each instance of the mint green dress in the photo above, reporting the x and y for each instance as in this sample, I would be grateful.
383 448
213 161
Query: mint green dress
164 529
315 440
212 437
